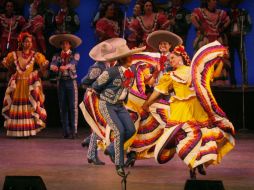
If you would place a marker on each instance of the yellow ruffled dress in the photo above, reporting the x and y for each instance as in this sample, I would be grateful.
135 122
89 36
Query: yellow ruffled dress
184 105
23 107
189 132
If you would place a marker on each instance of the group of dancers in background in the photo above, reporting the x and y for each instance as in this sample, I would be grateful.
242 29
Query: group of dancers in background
142 104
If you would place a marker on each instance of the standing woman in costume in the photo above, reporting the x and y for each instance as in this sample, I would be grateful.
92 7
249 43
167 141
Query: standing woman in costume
10 27
113 86
197 130
23 107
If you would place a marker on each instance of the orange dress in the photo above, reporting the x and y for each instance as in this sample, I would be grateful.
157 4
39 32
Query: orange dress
23 106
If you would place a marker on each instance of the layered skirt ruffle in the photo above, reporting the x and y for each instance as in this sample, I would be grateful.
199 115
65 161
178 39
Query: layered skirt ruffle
23 106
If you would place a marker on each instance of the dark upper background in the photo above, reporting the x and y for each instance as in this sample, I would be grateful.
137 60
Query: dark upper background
88 8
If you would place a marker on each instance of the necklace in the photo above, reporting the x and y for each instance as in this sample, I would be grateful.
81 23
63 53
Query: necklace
26 55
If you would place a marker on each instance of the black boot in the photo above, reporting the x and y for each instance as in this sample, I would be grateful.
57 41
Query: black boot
131 158
95 161
193 173
111 156
201 169
86 142
120 170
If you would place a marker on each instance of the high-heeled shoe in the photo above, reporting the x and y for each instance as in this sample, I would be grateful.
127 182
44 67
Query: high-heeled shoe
120 171
95 161
193 174
201 169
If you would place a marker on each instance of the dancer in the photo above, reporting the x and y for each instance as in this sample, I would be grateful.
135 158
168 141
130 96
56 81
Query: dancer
23 107
162 41
198 129
113 85
211 24
64 64
104 48
143 25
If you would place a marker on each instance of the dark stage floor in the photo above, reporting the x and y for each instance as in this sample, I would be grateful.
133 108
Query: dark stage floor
62 165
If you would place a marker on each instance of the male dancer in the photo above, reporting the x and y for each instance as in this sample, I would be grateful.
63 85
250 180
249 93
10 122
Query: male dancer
97 53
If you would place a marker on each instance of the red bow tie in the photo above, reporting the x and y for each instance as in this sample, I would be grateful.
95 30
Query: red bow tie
64 55
163 59
128 74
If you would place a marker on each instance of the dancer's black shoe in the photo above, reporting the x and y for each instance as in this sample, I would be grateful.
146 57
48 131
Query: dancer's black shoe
95 161
131 158
86 142
120 171
193 173
201 169
111 156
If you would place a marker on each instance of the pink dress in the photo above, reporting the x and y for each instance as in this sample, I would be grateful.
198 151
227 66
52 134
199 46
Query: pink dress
139 31
212 26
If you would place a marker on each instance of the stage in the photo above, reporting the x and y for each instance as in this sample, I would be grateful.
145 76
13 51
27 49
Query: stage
62 165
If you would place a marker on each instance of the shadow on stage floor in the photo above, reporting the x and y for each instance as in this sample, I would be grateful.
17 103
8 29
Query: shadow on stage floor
62 165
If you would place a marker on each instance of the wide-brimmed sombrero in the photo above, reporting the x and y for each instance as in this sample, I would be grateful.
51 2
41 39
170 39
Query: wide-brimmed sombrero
154 39
57 39
104 48
122 50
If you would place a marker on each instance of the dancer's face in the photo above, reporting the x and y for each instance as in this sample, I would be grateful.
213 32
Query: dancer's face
148 7
212 4
127 61
110 11
9 8
164 47
137 10
27 43
65 45
176 60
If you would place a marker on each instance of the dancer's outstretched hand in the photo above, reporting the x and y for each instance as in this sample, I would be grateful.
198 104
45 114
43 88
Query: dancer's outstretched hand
145 107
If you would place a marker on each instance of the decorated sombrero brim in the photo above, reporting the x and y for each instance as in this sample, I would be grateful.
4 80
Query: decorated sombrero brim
123 51
57 39
106 47
154 39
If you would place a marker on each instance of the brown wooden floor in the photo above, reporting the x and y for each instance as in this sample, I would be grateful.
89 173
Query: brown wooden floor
62 165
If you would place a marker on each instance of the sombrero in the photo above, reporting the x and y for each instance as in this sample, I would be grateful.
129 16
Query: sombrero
154 39
56 40
104 48
122 50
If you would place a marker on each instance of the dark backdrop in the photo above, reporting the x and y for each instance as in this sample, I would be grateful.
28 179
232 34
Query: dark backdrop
87 10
